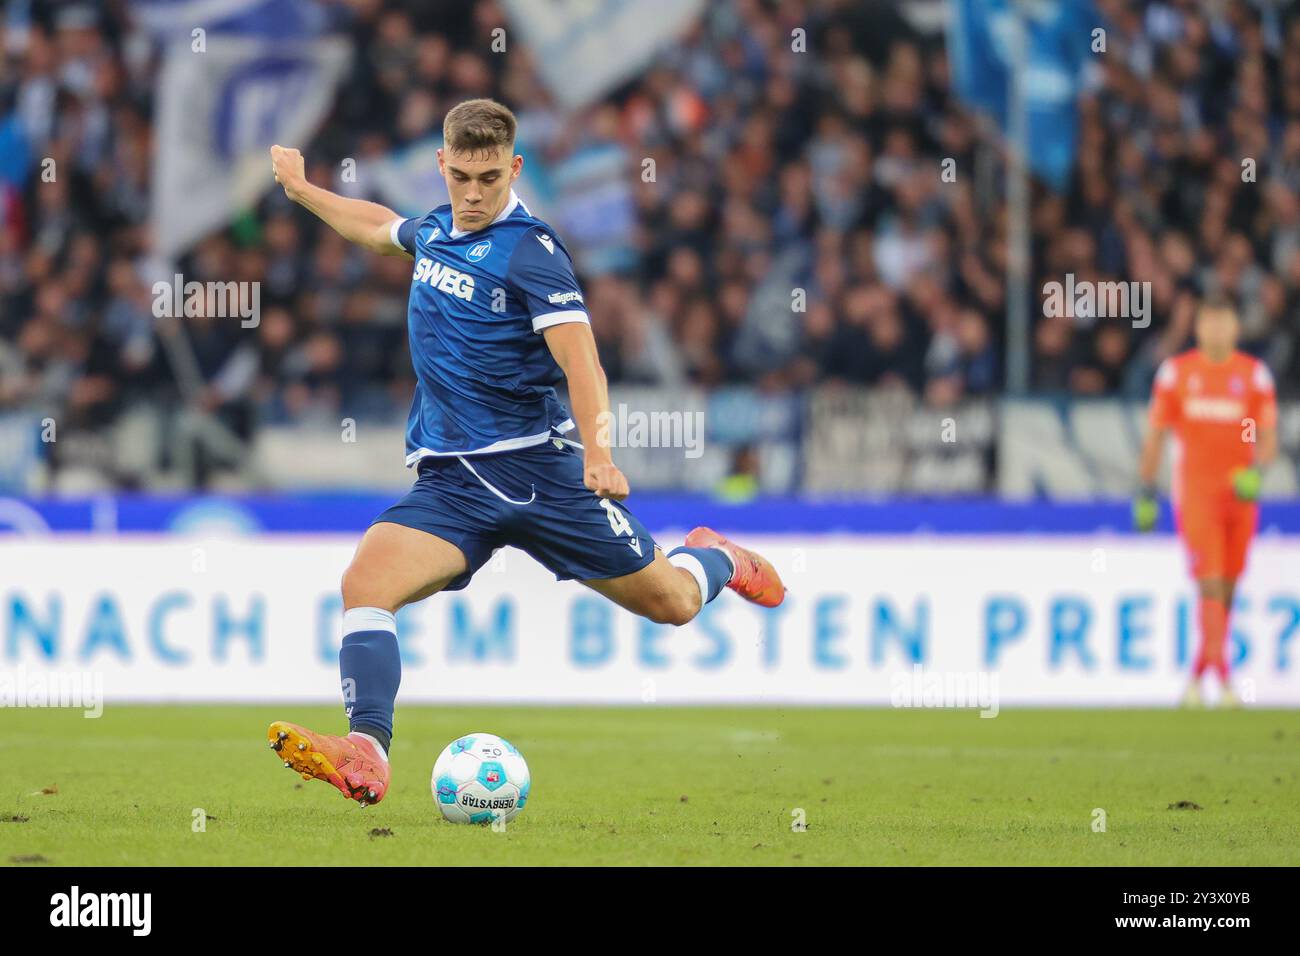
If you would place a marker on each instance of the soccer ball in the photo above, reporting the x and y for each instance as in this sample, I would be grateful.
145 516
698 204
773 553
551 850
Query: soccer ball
480 778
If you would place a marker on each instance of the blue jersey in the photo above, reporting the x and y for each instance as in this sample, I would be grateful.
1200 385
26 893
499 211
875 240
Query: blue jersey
479 301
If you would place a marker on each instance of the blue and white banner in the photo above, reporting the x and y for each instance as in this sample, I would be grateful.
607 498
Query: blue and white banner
595 208
177 19
585 48
406 180
1056 44
20 454
256 76
877 621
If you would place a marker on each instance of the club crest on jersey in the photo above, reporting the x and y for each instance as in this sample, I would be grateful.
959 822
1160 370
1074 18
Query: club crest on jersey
479 250
445 279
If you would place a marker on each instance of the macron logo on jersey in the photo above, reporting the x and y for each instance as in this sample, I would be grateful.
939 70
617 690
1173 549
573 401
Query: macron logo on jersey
445 279
547 241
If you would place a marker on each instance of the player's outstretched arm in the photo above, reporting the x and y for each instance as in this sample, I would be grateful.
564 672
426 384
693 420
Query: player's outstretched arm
367 224
1149 460
1248 482
1146 509
574 349
1266 448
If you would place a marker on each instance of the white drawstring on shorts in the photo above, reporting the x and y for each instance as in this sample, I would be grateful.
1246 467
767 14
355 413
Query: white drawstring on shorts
492 488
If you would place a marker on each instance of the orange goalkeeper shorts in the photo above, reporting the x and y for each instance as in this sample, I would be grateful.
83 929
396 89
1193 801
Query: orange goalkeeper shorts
1216 530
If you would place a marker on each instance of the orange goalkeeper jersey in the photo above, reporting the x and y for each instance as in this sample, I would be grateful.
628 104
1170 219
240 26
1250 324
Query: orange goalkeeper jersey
1215 410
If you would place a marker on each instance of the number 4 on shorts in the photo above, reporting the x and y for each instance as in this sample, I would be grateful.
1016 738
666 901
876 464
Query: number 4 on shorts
619 523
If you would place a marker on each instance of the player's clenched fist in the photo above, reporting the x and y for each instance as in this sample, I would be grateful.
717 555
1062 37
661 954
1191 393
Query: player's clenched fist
290 172
606 480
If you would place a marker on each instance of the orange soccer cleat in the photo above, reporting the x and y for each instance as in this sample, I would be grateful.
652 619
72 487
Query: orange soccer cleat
352 764
754 579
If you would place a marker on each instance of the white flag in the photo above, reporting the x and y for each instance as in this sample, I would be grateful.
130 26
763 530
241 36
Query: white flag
219 113
584 48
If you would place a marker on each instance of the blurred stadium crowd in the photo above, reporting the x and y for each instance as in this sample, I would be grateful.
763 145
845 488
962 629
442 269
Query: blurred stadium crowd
775 172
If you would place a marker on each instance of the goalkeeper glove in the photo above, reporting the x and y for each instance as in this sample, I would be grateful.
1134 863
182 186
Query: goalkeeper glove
1146 509
1245 483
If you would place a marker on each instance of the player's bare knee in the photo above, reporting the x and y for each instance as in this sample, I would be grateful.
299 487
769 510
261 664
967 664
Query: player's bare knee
677 607
692 602
360 589
352 587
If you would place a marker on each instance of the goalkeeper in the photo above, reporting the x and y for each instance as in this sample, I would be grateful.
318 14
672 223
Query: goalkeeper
1220 407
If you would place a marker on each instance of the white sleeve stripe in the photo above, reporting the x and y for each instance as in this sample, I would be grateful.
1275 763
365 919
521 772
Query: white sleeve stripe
1167 374
392 233
558 318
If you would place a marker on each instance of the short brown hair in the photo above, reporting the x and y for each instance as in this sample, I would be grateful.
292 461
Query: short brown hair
478 126
1217 301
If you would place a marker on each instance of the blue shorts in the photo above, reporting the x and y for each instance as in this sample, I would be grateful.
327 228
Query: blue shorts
533 499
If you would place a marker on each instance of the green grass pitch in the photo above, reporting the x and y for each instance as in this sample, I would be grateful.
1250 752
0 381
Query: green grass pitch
669 786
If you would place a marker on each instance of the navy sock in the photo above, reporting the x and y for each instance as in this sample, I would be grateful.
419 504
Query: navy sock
371 668
710 566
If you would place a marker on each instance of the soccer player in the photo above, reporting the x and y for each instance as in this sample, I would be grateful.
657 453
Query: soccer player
495 319
1219 404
